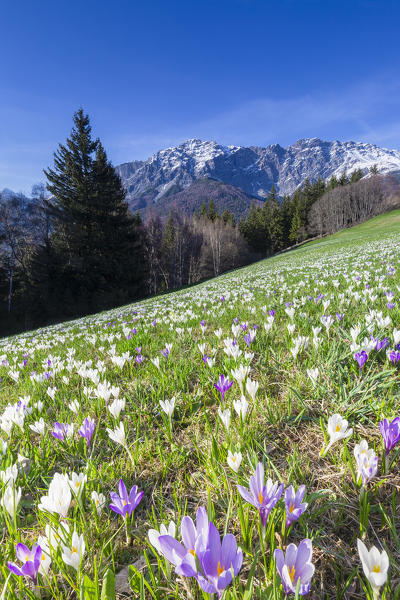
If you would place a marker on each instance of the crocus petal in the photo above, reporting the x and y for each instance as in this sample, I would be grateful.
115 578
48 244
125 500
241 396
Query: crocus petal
224 579
246 495
22 551
228 551
279 559
364 555
188 533
122 490
205 585
172 549
14 569
212 555
304 553
202 521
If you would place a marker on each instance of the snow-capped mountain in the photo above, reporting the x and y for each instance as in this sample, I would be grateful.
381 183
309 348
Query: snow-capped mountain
254 169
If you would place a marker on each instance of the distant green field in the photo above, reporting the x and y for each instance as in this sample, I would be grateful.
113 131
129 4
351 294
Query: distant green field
371 230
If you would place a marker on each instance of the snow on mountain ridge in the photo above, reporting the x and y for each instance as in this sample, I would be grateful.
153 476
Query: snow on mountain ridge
253 169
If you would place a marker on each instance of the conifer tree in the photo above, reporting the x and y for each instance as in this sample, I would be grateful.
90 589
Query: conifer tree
203 210
228 217
97 246
212 211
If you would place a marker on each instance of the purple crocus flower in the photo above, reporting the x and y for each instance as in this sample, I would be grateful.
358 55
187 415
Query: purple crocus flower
125 504
205 359
390 305
339 316
194 543
262 497
60 431
380 344
30 560
139 358
361 358
295 565
271 313
394 357
223 385
218 562
165 353
87 429
294 505
390 433
248 339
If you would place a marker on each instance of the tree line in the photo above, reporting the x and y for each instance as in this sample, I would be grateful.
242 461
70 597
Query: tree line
74 247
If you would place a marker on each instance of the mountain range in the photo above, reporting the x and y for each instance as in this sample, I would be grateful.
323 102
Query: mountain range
186 176
195 171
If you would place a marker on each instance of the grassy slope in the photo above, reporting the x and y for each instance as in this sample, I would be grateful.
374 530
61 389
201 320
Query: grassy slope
282 428
373 229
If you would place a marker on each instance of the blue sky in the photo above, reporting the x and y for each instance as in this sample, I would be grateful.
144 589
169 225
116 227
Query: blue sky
154 73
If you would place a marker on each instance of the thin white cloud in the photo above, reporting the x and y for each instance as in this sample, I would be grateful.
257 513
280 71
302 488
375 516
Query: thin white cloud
356 113
362 112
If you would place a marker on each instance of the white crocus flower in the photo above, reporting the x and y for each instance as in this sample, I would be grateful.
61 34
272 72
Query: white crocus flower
313 374
156 362
51 391
72 555
290 313
225 416
116 406
240 375
39 427
10 499
10 475
39 405
77 483
153 534
74 406
99 501
234 460
58 497
361 450
375 566
117 435
337 429
251 388
241 407
56 537
210 362
317 342
168 406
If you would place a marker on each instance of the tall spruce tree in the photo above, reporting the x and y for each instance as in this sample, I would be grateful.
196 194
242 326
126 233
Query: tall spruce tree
98 247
